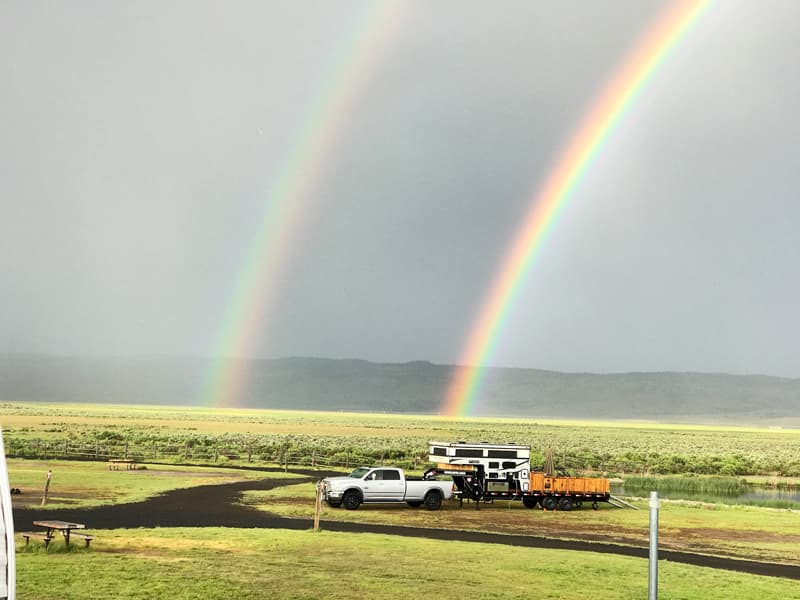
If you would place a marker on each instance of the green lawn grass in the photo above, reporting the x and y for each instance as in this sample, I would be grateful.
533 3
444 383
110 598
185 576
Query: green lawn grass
85 483
247 564
742 531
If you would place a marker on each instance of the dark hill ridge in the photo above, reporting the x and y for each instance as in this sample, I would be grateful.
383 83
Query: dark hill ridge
415 387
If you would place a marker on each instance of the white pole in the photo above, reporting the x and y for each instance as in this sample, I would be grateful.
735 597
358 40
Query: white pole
652 588
8 584
318 506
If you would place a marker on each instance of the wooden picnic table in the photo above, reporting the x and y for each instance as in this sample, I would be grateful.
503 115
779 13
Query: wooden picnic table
65 527
115 463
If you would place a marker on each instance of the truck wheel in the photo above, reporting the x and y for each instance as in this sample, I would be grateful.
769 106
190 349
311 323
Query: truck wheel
351 500
433 500
549 503
595 506
565 504
529 501
414 503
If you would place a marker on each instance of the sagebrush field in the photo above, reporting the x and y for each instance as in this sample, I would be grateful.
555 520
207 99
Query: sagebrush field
197 436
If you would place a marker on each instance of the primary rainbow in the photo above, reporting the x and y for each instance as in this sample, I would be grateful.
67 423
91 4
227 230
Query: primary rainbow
546 205
287 199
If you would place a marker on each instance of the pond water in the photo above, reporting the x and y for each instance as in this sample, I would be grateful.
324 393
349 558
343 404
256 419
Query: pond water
756 495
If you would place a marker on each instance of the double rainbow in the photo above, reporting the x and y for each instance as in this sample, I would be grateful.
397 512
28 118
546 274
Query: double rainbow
550 200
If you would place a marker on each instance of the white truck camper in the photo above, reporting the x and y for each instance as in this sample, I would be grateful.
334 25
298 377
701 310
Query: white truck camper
484 472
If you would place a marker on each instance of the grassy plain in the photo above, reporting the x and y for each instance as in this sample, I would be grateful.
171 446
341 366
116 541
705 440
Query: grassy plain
249 564
84 483
39 417
235 563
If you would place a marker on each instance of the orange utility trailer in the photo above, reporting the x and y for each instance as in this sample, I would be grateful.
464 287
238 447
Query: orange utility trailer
483 472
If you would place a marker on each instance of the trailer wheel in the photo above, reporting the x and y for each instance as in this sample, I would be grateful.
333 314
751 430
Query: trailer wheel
351 500
577 503
565 504
529 501
433 500
595 506
414 503
549 503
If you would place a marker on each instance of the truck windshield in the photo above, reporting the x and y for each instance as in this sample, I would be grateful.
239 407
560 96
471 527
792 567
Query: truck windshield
359 472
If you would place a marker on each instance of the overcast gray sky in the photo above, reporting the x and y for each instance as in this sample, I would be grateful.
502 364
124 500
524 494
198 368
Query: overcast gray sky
138 142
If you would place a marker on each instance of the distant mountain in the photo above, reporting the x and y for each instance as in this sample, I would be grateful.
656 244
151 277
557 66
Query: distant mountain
415 387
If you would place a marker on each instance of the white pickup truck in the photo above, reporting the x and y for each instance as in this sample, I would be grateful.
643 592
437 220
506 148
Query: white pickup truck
384 485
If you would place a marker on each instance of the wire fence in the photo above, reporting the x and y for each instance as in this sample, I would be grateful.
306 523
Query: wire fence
268 454
217 454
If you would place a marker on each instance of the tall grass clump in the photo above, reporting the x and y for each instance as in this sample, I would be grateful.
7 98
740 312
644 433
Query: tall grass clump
715 485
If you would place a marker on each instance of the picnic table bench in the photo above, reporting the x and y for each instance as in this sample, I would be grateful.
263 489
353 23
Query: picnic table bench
37 534
114 464
84 537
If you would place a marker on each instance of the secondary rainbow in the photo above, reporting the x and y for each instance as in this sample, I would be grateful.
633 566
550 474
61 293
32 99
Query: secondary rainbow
549 201
287 200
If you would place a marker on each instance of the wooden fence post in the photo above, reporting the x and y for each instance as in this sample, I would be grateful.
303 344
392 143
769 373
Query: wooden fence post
46 487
